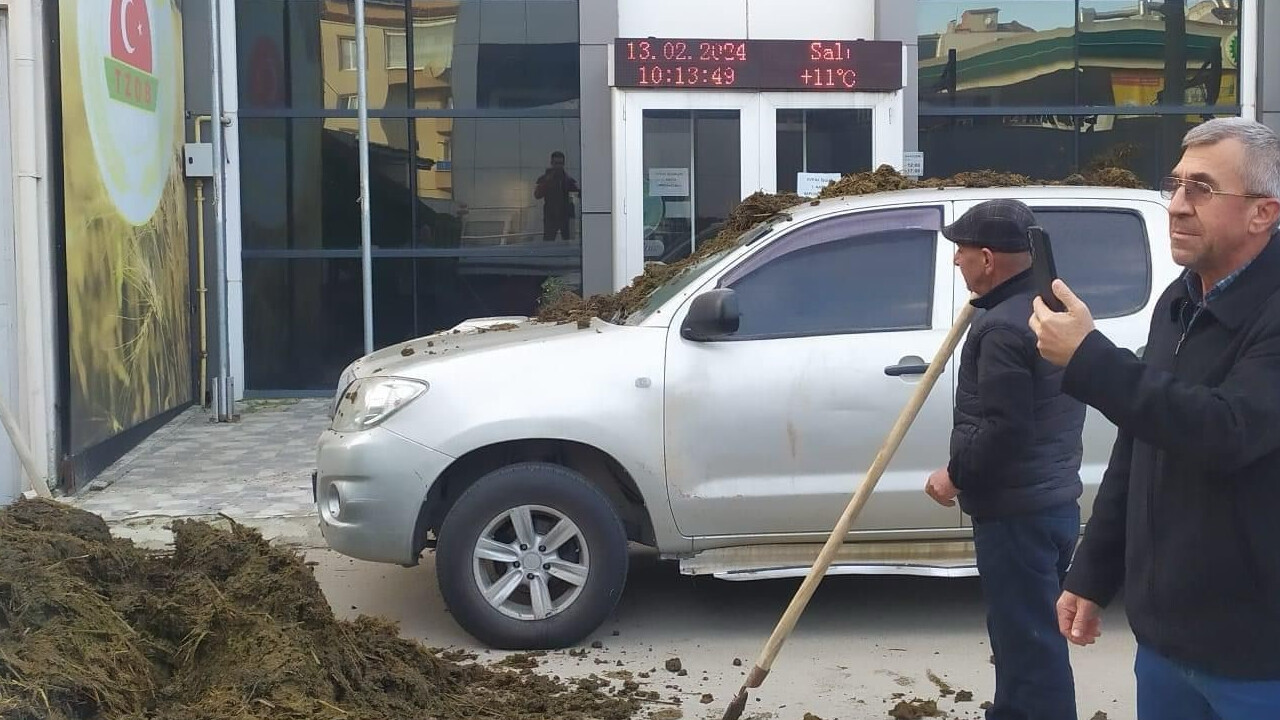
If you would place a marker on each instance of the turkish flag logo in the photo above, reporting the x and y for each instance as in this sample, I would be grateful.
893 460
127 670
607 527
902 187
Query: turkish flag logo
131 33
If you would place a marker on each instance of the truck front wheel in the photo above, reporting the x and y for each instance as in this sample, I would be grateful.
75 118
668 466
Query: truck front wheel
532 556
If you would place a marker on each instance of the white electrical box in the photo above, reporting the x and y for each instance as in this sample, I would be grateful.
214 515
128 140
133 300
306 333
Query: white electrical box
198 160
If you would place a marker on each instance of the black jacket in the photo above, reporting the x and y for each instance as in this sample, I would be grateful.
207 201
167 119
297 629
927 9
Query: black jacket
1015 446
1188 515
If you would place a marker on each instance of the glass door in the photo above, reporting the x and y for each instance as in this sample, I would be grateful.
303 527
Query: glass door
834 141
692 175
683 161
807 139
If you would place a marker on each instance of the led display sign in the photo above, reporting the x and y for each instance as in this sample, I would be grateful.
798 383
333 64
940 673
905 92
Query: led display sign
831 65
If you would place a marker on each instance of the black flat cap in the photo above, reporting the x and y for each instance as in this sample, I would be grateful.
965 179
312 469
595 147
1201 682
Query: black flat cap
1000 225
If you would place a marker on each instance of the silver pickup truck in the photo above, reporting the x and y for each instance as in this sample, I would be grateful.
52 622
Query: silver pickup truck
726 429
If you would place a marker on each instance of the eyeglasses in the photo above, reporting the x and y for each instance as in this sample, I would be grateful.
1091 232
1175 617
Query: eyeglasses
1196 192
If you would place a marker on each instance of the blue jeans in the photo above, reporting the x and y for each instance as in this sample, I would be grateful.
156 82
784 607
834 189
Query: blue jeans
1170 691
1022 560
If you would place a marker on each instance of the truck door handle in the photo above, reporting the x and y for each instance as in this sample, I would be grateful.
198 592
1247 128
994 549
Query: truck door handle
906 368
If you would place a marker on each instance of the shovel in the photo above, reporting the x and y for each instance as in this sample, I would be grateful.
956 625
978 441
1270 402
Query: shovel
836 539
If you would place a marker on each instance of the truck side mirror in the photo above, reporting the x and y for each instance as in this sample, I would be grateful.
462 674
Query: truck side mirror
713 314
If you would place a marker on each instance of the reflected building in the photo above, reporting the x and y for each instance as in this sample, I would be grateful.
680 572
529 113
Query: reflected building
1051 87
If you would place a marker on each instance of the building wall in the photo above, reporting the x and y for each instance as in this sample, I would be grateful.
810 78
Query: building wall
599 26
896 20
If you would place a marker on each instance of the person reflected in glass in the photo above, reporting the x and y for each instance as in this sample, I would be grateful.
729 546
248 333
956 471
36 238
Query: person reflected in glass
553 188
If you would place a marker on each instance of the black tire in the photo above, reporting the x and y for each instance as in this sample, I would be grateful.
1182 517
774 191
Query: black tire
561 491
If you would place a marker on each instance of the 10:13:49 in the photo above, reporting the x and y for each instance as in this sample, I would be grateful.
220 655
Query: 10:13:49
686 76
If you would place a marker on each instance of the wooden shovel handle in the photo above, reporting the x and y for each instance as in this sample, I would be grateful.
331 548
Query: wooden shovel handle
837 537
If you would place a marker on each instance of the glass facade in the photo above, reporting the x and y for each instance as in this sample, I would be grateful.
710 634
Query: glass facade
1052 87
474 158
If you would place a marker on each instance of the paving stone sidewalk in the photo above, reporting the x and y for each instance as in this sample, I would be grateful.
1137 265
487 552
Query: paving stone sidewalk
256 471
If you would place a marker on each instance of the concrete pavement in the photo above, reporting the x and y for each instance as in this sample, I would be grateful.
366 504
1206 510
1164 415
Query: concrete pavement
256 471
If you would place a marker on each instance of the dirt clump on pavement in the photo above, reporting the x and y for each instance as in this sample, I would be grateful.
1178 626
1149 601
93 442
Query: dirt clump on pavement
943 687
559 304
226 626
915 709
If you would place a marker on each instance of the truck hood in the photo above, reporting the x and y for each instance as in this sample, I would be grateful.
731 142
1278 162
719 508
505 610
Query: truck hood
469 337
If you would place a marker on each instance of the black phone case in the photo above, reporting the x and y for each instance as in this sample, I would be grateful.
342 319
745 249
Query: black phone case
1043 270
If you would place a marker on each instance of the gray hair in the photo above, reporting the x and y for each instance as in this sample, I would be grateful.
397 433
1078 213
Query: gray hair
1261 171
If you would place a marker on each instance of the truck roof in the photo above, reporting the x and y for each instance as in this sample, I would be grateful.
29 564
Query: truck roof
1027 193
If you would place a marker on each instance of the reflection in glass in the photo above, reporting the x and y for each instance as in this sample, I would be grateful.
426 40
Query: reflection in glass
717 176
416 297
510 54
470 216
1040 146
305 322
1052 147
479 181
301 54
1016 52
822 141
466 54
1171 53
1113 52
1148 145
300 183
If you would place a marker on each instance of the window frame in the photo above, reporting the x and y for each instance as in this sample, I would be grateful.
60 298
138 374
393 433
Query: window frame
388 36
731 274
343 64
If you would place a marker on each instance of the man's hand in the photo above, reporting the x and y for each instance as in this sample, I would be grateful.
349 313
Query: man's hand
1079 620
940 488
1059 334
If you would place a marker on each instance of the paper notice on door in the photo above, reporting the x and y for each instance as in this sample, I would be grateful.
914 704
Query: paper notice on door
669 182
810 184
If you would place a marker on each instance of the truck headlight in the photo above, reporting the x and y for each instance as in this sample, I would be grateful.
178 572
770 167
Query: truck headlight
343 382
369 401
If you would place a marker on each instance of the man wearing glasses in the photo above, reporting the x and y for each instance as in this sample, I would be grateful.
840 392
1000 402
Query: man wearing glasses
1187 519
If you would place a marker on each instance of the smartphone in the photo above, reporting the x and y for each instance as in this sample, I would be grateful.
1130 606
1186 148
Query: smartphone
1043 271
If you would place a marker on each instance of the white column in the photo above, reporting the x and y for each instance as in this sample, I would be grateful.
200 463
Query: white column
1250 56
34 405
231 197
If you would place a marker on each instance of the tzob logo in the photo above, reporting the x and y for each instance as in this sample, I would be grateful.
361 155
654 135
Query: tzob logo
129 78
129 55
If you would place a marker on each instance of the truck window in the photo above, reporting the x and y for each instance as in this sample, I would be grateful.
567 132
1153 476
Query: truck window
1103 254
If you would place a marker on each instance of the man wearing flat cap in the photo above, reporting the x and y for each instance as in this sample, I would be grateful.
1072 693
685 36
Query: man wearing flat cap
1014 465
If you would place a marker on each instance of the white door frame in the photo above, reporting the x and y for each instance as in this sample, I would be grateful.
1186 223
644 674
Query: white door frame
759 142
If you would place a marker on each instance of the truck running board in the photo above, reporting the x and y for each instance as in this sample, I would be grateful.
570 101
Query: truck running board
759 562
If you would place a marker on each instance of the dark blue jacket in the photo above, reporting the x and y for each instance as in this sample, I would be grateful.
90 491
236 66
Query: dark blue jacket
1015 446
